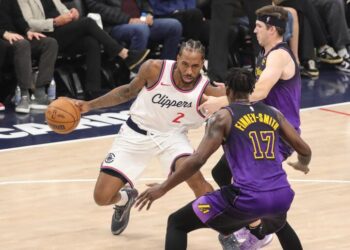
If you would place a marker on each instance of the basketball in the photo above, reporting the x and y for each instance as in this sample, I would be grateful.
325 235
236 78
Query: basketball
62 115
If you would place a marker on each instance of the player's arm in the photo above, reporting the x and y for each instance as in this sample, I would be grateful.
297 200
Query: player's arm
122 93
217 129
275 63
289 134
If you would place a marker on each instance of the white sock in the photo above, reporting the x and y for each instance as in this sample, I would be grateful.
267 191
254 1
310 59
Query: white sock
123 198
343 53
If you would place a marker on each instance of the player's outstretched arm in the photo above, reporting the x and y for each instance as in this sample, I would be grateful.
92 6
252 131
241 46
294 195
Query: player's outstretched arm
300 146
122 93
217 129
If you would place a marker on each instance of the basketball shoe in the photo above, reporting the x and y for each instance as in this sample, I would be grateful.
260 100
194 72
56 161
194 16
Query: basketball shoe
229 243
253 243
120 218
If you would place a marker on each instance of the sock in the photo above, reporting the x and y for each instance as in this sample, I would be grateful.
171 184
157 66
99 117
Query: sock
123 198
343 53
257 232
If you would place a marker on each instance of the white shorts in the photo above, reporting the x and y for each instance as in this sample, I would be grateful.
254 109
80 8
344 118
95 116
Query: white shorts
131 152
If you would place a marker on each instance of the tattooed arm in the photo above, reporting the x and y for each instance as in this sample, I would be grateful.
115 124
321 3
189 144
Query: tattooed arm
147 73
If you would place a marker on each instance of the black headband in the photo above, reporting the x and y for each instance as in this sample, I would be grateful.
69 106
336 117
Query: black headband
272 20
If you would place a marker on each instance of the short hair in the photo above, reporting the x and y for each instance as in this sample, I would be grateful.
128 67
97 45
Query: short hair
275 11
240 80
194 46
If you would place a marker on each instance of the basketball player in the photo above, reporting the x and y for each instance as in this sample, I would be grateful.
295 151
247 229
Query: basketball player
279 85
168 94
249 131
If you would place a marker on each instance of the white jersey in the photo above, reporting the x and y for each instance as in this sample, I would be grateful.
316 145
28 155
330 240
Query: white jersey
164 107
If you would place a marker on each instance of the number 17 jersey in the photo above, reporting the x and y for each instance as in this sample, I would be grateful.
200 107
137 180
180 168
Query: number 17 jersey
251 148
165 108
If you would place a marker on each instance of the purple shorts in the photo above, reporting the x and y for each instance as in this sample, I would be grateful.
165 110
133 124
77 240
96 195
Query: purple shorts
229 209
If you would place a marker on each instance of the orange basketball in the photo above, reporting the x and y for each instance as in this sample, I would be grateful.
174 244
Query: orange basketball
62 115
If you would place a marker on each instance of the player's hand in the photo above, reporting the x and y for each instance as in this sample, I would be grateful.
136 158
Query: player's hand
83 106
299 166
151 194
210 105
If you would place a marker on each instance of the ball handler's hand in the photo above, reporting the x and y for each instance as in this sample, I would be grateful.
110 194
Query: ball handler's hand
83 106
299 166
151 194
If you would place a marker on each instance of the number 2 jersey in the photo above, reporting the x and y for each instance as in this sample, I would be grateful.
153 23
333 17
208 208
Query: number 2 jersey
165 108
252 148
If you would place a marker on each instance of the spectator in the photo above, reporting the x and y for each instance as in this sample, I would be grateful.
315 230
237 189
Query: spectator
14 30
194 25
122 18
312 35
334 19
75 35
3 50
222 12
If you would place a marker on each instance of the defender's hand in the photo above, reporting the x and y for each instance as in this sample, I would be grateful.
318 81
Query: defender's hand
299 166
149 195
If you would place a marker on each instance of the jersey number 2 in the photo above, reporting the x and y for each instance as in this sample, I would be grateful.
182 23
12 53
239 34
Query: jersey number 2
264 137
178 117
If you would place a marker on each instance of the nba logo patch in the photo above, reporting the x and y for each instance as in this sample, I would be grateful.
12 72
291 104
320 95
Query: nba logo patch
204 208
110 158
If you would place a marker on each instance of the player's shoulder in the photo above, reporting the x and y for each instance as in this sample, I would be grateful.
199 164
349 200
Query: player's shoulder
280 53
151 68
153 64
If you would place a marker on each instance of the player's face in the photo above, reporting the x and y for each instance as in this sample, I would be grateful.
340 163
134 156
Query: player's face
261 32
189 64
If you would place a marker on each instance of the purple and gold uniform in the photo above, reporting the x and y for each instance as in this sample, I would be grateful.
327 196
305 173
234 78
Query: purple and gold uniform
260 189
285 94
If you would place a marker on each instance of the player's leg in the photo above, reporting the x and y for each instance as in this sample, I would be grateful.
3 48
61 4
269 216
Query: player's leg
221 172
107 189
110 189
180 223
174 151
196 182
123 164
288 238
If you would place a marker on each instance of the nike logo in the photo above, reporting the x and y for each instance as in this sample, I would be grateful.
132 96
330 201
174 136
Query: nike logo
165 84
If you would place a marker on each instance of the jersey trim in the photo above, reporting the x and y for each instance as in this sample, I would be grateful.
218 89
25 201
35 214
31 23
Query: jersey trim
119 172
200 98
159 77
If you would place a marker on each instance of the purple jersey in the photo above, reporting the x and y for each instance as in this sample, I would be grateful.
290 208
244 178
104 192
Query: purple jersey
285 94
252 148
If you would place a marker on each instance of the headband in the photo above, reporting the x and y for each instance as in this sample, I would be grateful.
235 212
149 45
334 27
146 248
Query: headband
272 20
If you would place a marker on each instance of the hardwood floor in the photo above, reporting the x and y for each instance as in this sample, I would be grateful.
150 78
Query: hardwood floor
46 195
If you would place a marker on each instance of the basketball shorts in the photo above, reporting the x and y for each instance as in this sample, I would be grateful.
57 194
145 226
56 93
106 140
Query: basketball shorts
229 209
132 151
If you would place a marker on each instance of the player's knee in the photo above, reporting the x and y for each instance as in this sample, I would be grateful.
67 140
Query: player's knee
101 199
172 221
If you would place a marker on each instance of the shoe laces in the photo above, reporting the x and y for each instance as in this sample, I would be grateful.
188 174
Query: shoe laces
118 211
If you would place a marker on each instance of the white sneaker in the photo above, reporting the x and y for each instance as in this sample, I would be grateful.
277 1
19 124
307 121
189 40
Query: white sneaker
23 106
344 66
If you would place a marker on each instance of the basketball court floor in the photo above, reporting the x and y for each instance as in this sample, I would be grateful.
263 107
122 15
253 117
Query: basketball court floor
47 181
